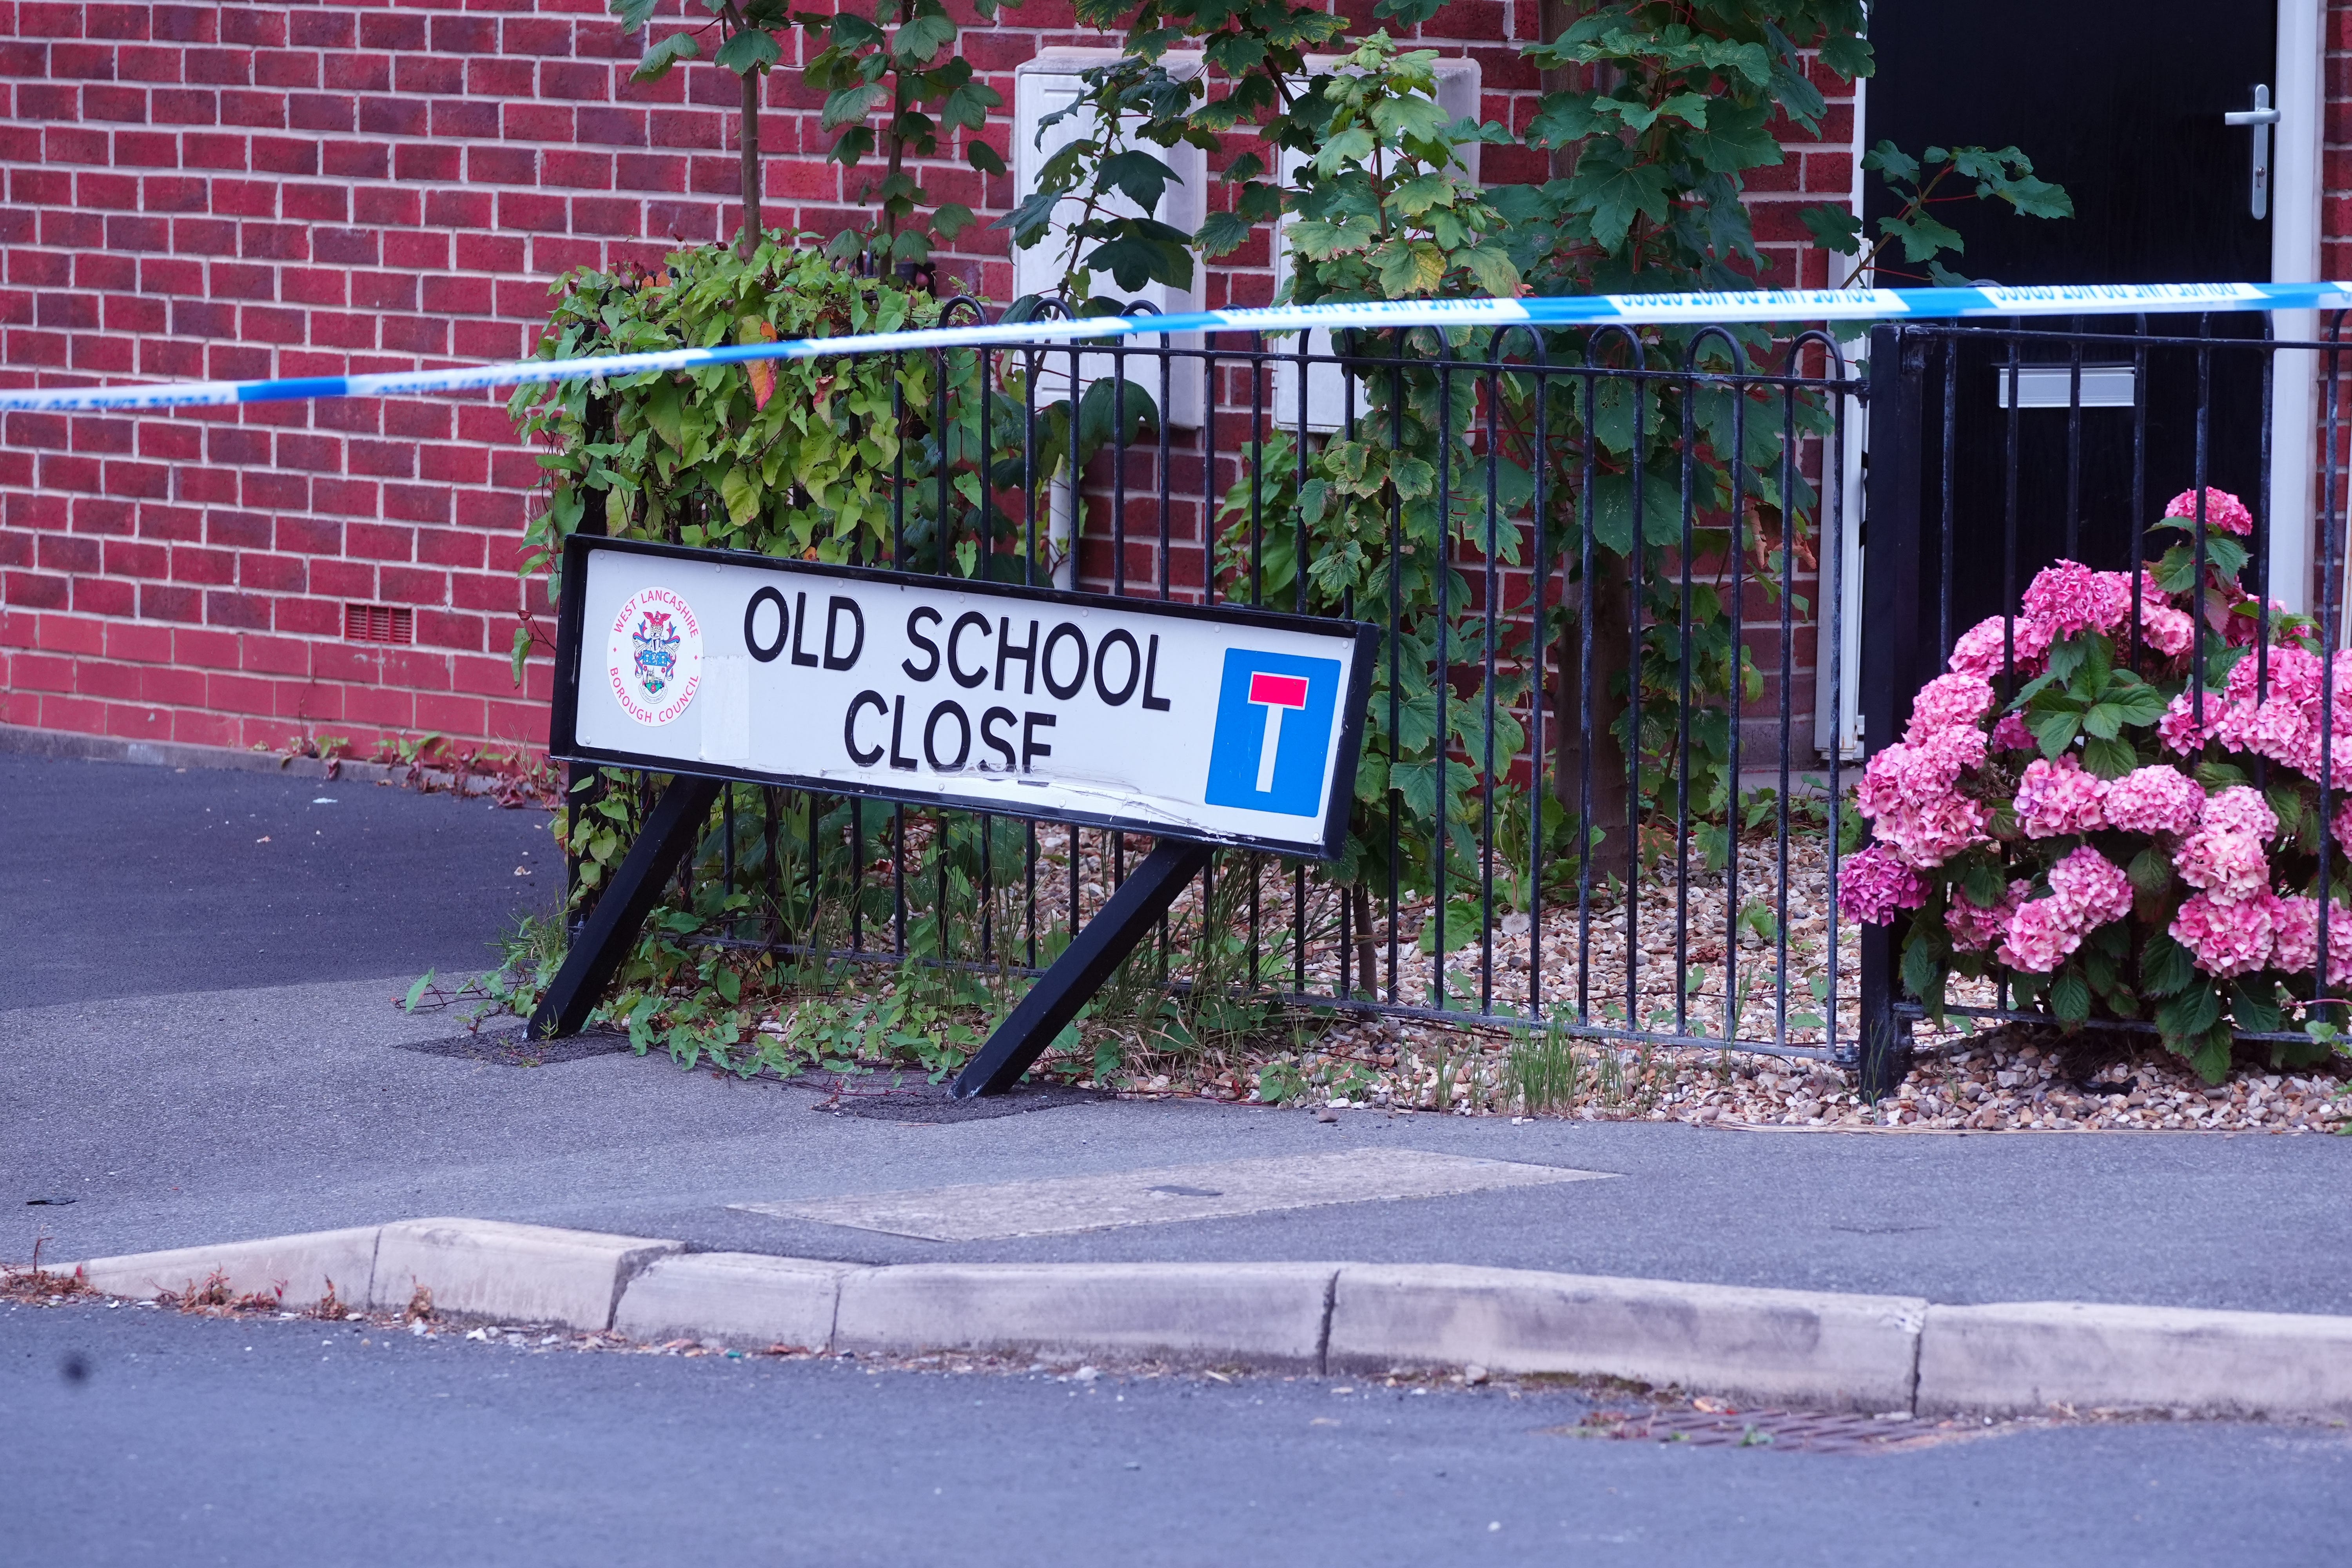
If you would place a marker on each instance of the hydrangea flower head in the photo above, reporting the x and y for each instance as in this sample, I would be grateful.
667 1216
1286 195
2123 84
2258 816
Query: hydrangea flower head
1946 703
2240 808
2179 730
2168 631
2223 510
2089 890
2227 939
2058 798
2039 937
1974 928
1873 884
2229 866
1981 650
2295 931
2070 597
2154 800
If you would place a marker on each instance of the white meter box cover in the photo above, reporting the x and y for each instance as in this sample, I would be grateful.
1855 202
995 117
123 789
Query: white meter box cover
1218 722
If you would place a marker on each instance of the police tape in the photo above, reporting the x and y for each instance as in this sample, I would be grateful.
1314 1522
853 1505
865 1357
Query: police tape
1756 306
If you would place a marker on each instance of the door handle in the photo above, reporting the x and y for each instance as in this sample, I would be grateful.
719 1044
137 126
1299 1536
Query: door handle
2259 120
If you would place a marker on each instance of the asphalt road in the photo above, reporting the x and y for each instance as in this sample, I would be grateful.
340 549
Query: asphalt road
138 1437
129 880
175 1119
198 1041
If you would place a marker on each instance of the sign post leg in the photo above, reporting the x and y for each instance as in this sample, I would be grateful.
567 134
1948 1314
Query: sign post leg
671 831
1134 909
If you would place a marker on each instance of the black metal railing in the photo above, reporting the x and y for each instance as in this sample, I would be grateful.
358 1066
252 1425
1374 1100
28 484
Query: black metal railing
1593 800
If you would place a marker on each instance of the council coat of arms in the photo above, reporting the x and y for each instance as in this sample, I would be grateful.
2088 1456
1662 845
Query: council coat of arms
656 641
653 659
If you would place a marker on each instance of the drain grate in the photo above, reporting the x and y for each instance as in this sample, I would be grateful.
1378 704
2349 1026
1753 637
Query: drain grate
1709 1424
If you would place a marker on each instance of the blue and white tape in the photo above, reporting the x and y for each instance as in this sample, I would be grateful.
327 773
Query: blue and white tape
1773 305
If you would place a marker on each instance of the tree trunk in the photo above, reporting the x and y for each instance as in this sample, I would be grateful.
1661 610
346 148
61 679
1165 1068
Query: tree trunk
1594 733
750 240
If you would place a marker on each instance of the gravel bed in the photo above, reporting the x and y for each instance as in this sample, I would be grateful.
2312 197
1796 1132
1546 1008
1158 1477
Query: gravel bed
1575 962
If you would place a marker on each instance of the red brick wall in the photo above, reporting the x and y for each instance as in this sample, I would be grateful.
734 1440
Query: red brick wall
234 191
2335 148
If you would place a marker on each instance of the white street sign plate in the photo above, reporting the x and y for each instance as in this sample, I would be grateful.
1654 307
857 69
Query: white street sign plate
1225 724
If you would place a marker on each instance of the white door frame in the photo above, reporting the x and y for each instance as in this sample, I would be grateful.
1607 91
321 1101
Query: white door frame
2295 258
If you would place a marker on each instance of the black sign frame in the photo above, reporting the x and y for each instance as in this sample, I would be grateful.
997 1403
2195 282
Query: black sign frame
571 638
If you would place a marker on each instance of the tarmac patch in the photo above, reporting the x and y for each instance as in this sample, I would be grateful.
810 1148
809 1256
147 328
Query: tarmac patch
1063 1205
514 1048
916 1099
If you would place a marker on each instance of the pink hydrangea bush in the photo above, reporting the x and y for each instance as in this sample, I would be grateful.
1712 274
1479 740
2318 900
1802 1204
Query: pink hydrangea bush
2112 801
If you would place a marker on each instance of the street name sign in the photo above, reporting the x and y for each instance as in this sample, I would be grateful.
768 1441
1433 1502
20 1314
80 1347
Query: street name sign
1224 723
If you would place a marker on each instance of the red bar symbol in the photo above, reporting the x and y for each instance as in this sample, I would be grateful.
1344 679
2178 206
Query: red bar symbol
1277 690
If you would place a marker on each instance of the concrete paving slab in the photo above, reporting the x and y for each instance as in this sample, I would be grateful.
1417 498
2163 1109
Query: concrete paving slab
1168 1193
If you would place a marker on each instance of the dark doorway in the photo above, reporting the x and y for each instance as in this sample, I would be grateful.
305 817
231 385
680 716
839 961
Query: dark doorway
2122 105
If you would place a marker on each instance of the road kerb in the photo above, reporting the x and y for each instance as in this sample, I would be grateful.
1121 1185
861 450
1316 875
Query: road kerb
1820 1349
2022 1357
745 1298
1814 1348
301 1266
519 1273
1266 1313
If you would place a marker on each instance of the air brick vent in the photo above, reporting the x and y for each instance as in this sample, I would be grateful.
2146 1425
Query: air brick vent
378 622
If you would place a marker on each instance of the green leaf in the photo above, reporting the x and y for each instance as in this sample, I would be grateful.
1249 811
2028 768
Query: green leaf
1924 966
662 55
2107 757
2070 998
417 991
1613 191
1490 268
2055 731
1734 138
740 491
2138 702
852 104
2151 872
2188 1015
2176 569
1222 233
921 40
666 412
2254 1006
1984 879
2166 968
1410 270
750 49
2211 1058
1141 177
1833 228
1893 164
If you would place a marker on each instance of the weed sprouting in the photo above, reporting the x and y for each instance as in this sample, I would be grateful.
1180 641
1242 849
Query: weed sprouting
1542 1070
